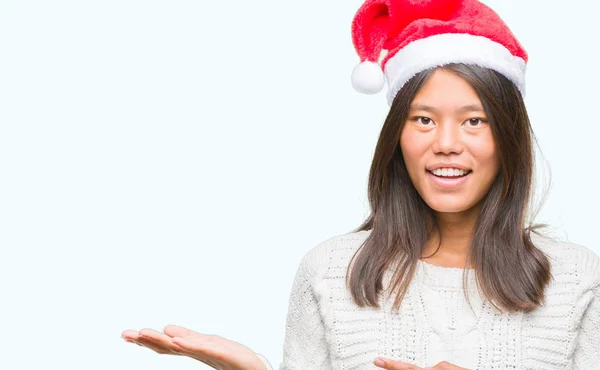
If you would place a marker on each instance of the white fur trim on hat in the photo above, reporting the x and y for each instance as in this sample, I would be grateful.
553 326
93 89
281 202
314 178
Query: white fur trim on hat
438 50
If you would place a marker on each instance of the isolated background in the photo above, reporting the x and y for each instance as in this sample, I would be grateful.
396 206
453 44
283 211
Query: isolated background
170 162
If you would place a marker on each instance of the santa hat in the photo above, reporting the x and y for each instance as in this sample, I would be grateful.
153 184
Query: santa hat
421 34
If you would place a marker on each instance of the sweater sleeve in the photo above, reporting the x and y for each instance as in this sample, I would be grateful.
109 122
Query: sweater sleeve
587 350
305 343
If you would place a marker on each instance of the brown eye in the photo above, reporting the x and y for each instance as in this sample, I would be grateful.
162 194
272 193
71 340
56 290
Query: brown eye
474 121
424 120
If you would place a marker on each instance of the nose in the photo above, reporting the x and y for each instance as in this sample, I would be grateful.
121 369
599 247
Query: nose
447 139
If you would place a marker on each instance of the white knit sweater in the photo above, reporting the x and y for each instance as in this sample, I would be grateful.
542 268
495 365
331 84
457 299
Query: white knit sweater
325 330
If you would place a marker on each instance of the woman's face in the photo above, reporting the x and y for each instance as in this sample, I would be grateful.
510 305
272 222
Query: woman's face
445 136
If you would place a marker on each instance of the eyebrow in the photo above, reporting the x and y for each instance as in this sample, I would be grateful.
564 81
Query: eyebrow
463 109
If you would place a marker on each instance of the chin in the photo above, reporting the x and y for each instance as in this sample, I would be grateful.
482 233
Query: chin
448 206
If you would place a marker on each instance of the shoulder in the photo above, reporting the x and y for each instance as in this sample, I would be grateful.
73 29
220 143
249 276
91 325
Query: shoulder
570 261
323 267
333 252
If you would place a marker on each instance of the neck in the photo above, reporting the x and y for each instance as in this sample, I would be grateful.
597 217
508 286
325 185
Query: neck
456 234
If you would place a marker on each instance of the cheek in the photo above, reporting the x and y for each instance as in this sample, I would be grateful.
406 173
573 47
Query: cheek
412 149
486 155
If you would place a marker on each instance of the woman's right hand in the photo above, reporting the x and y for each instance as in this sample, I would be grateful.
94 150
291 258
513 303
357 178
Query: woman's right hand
215 351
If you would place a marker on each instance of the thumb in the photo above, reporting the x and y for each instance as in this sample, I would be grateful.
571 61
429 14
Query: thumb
177 331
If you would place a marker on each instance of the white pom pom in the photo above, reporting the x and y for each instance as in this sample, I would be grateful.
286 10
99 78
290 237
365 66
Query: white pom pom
368 78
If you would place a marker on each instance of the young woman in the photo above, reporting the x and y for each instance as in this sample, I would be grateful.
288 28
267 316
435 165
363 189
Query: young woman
447 271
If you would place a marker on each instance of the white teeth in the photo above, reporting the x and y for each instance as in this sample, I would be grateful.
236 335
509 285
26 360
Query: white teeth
449 172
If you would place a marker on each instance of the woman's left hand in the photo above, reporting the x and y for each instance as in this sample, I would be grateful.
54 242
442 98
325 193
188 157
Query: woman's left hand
397 365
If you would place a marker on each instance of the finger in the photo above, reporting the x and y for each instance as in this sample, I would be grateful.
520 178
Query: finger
158 340
186 345
181 342
206 345
210 345
192 350
150 333
395 365
177 331
155 336
153 346
161 344
445 365
129 334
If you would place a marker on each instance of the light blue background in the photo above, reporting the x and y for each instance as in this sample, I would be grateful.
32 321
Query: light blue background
170 162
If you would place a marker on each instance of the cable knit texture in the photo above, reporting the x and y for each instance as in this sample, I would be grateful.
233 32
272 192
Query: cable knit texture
325 330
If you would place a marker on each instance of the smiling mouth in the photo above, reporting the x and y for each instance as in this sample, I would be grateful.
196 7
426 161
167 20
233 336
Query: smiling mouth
450 176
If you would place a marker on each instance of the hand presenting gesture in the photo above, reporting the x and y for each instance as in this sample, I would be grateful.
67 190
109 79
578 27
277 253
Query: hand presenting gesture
213 350
397 365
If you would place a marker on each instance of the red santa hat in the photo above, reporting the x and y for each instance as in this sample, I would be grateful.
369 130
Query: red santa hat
421 34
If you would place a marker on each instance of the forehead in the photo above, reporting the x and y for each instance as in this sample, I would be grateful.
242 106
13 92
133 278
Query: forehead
446 89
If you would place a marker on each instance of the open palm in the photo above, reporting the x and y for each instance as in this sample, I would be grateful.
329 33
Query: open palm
215 351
